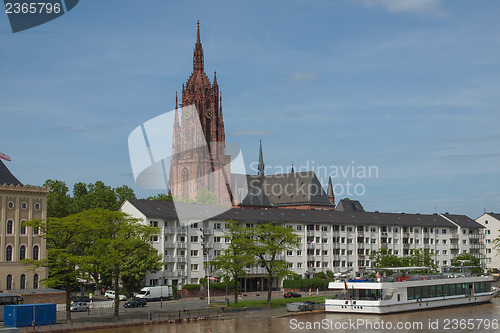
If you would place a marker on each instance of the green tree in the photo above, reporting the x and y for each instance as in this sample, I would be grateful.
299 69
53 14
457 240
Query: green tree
134 268
65 238
468 259
205 197
117 239
233 261
58 200
421 258
123 193
161 197
382 258
268 242
90 196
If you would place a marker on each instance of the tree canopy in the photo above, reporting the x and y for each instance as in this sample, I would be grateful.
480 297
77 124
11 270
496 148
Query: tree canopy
468 259
85 196
233 261
383 258
267 243
86 244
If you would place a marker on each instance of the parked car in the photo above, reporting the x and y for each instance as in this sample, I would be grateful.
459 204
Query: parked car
291 294
85 299
136 303
111 294
79 307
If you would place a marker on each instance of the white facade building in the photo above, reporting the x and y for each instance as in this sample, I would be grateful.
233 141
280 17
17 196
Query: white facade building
491 222
331 240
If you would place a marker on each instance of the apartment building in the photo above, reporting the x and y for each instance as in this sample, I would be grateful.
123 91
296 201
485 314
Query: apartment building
331 240
491 223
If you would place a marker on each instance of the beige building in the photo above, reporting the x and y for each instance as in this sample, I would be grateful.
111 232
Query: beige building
19 203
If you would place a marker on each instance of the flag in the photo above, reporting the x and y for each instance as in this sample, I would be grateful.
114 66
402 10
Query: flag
345 286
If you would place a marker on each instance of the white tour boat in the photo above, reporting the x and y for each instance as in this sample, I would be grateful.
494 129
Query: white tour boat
409 292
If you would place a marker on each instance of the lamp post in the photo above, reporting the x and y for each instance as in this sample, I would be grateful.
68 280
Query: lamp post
205 263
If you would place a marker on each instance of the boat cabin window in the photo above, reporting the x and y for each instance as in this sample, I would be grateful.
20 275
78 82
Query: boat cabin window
361 294
447 290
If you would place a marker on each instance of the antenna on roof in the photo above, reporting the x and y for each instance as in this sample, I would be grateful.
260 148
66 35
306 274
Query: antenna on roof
435 210
5 157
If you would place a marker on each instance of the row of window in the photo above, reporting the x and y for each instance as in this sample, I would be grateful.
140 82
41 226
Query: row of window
22 282
24 205
9 228
317 227
9 255
447 290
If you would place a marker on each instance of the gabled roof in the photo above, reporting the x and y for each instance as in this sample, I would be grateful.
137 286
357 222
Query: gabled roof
288 189
168 210
494 215
346 205
463 221
6 177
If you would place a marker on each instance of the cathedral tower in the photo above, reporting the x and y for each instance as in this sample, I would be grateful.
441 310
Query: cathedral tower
196 165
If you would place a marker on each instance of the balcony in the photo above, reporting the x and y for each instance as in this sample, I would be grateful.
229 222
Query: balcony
256 271
182 259
361 245
175 230
476 236
182 273
170 259
207 231
454 236
310 245
171 274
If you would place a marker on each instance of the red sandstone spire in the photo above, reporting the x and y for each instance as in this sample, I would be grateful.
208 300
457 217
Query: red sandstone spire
198 53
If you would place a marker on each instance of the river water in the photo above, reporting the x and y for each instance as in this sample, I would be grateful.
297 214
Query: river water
476 318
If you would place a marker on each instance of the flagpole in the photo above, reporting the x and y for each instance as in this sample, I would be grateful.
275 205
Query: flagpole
208 284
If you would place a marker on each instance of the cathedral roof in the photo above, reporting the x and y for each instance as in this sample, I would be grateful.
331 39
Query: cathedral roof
289 189
6 177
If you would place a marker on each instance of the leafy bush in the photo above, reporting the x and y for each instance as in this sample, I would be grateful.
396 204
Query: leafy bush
305 284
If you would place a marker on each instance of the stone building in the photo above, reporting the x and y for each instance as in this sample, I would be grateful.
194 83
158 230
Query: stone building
19 203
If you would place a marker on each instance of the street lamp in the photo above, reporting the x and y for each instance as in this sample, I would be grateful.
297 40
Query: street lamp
205 263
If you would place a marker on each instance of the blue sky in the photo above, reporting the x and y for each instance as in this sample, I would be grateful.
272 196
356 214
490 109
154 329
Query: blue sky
409 87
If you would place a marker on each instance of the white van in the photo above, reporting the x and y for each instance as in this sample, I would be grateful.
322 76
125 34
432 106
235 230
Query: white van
155 293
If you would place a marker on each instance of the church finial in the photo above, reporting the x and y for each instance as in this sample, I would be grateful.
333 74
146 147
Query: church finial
329 192
260 167
198 35
176 101
198 52
293 170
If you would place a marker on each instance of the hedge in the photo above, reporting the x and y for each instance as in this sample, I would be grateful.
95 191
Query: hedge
305 284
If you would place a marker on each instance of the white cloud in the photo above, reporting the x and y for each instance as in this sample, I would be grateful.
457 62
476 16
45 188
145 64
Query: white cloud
420 7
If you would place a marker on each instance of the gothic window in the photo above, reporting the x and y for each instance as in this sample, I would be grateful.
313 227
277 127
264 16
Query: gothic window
185 183
9 282
35 281
22 284
22 252
9 226
35 252
8 253
23 228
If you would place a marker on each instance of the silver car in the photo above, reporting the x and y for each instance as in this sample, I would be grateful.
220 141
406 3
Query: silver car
79 307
